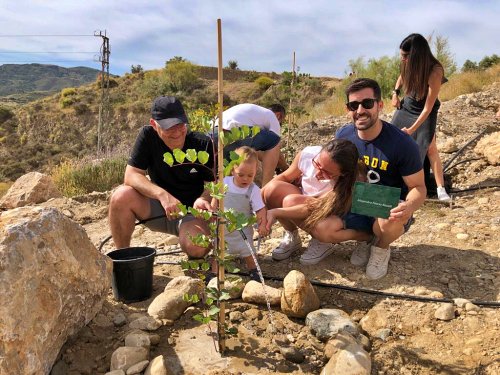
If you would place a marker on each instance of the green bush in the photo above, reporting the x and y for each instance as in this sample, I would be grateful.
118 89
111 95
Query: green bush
69 91
264 82
182 76
81 177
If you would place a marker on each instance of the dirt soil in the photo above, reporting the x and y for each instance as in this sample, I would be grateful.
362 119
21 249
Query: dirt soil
452 251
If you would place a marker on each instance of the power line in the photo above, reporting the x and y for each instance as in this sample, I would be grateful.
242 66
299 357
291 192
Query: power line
1 52
43 35
43 61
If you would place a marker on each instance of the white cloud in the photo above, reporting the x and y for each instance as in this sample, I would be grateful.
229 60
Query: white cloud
260 35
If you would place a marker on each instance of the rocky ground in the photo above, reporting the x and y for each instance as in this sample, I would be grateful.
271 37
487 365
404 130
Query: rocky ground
452 251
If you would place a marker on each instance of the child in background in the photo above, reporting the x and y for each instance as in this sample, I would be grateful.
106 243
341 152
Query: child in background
243 195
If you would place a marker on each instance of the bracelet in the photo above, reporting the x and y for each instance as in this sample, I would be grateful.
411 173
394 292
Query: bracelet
396 92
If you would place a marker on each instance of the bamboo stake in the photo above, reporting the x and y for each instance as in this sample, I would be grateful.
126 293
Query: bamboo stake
290 112
220 158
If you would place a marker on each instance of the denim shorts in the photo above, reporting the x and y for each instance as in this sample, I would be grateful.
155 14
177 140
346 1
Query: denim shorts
365 223
163 224
263 141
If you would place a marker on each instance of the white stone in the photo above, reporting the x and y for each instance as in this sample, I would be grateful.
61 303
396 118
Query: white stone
352 360
171 304
234 287
124 357
137 368
445 311
53 282
158 366
254 293
462 236
298 297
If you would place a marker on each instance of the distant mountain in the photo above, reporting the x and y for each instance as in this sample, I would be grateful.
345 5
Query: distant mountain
28 78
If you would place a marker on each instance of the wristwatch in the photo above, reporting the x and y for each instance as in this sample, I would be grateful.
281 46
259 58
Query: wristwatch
396 92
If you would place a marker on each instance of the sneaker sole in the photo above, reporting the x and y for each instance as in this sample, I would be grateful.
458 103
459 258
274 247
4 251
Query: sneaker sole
312 261
288 254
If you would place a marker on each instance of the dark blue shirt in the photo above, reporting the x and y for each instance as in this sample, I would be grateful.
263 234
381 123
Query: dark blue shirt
391 155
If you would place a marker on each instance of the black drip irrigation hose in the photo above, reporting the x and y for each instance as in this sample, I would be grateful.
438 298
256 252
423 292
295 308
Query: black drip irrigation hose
447 165
410 297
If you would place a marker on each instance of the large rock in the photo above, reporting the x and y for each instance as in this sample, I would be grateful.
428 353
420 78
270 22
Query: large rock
351 360
298 298
171 304
327 323
489 146
53 282
32 188
255 292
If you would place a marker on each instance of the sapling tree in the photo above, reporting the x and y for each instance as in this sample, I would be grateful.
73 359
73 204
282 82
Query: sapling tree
233 220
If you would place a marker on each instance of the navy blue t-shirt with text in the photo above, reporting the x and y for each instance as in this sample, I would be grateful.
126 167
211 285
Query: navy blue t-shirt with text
391 155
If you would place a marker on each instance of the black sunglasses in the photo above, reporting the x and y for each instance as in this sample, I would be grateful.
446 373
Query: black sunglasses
366 103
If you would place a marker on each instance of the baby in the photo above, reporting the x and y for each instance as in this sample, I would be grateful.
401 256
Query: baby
243 195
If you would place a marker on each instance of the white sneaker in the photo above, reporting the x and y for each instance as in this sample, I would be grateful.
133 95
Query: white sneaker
315 252
442 194
289 244
378 262
361 253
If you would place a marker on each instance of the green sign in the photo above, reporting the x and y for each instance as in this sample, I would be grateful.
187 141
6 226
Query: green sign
374 200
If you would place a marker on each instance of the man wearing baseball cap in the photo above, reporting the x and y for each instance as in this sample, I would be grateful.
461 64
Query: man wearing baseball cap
141 197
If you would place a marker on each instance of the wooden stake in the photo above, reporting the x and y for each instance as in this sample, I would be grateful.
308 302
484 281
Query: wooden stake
290 113
220 158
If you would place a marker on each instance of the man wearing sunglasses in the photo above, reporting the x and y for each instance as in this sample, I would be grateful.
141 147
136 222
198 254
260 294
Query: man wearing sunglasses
392 158
142 198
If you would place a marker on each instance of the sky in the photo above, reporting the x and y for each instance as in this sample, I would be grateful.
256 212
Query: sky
259 35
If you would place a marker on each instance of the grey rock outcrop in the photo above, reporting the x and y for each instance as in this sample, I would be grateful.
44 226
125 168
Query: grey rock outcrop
54 282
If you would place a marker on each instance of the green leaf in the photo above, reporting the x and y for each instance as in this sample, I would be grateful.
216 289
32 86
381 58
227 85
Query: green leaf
185 297
245 131
184 265
231 331
193 264
209 301
213 310
255 131
183 209
224 296
235 133
179 155
233 155
203 157
191 155
205 266
206 320
195 298
168 158
199 318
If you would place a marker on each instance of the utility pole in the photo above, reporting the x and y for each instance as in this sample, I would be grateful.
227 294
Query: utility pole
104 106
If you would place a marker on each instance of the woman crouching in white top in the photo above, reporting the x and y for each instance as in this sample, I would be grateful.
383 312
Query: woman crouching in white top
316 187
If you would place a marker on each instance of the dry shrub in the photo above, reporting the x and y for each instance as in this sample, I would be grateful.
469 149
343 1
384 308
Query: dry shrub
469 82
80 177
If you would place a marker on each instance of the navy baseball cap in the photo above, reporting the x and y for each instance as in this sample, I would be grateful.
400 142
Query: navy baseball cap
167 111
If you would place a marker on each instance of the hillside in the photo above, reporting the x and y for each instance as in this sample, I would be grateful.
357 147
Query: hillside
64 125
20 82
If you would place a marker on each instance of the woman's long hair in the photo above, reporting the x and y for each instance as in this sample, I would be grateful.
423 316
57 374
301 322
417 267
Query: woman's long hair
338 201
416 70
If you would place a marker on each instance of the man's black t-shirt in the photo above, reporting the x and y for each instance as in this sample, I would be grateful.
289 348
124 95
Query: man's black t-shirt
184 181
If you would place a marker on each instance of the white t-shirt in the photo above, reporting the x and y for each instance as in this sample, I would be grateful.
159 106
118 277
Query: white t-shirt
255 197
311 186
251 115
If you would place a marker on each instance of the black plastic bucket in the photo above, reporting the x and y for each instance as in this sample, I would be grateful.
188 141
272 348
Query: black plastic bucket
132 273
